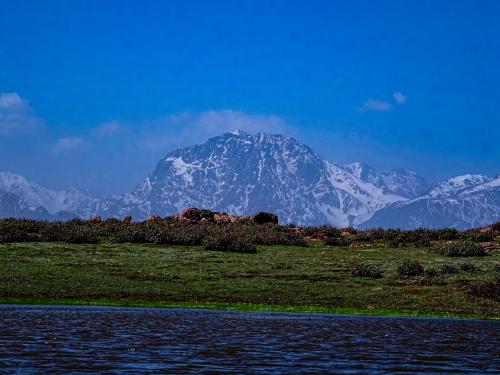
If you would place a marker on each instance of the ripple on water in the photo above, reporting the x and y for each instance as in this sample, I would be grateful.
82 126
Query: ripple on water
119 340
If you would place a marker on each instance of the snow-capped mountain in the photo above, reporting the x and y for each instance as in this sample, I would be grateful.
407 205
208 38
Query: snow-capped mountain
398 181
460 202
242 173
54 202
11 205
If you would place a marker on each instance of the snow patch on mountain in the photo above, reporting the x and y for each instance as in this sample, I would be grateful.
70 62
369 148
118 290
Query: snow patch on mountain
34 195
243 173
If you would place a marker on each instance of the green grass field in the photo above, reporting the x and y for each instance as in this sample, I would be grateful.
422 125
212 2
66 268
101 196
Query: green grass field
278 278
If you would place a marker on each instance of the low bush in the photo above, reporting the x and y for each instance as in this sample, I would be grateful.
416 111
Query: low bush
227 242
17 236
448 269
242 246
496 227
464 248
446 234
416 238
431 272
410 268
321 231
486 289
367 270
129 234
476 236
377 233
362 236
468 267
337 241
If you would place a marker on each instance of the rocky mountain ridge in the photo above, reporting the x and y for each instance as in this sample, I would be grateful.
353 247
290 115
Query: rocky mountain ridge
241 173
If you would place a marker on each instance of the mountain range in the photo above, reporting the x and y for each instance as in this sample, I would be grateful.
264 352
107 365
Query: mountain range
241 173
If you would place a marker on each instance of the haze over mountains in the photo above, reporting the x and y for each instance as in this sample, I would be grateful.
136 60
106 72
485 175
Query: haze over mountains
242 173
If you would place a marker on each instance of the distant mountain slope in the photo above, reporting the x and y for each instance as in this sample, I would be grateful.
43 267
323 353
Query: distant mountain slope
242 173
398 181
460 202
70 200
11 205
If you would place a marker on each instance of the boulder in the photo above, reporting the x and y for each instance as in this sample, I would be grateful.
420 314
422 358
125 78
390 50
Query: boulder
265 217
487 246
190 214
153 218
95 219
222 217
127 219
347 231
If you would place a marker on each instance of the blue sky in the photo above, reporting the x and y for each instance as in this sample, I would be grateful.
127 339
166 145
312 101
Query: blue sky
93 93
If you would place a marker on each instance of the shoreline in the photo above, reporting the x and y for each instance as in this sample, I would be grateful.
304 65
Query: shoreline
243 307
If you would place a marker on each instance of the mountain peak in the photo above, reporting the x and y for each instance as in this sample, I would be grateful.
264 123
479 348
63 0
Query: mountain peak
9 178
398 181
242 173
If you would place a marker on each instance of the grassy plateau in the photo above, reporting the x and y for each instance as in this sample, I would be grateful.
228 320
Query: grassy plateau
312 278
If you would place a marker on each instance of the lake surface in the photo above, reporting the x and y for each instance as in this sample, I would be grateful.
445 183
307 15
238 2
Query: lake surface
121 340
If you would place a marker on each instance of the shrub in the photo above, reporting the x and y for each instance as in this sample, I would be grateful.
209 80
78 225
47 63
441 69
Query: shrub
321 231
362 236
377 233
410 268
486 289
215 243
205 214
448 269
446 234
337 241
418 238
242 246
16 236
464 248
479 236
79 238
174 236
367 270
129 234
496 227
468 267
431 272
227 243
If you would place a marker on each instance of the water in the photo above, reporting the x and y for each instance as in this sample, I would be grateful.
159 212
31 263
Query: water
119 340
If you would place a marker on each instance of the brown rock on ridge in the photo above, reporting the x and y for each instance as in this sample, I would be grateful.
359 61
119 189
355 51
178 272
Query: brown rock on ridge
191 214
153 218
95 219
224 218
265 217
347 231
488 246
487 229
127 219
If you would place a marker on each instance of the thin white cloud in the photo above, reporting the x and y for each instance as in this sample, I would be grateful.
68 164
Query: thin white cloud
399 97
67 144
189 128
16 115
106 129
375 105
